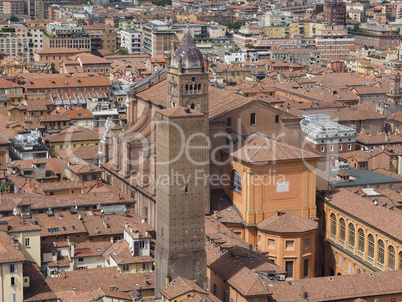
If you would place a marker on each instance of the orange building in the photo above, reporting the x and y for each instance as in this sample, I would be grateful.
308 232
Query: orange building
269 176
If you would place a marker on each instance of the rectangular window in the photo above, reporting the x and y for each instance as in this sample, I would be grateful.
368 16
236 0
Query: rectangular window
340 147
289 245
80 259
349 147
126 267
12 268
215 290
27 242
306 268
12 281
331 148
306 243
145 266
271 243
289 268
322 148
13 297
229 122
277 118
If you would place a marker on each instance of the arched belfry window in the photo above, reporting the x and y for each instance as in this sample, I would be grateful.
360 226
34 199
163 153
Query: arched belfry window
192 106
236 181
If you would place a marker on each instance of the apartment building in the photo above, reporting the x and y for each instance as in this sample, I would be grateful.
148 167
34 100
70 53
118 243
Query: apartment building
12 281
377 38
103 37
326 135
156 38
333 42
131 40
68 35
335 13
12 7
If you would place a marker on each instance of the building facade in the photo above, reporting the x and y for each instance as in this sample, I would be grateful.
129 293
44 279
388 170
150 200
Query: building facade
131 40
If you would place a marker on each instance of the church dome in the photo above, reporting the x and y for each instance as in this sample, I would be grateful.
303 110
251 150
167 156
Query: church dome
191 56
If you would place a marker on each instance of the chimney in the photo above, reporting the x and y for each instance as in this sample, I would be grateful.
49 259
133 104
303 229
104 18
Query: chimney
72 247
34 190
83 185
30 183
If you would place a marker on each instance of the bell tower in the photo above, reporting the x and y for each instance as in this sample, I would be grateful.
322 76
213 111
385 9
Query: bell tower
188 77
182 149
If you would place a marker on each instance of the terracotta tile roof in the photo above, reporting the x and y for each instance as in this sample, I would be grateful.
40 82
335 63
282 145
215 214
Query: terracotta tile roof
181 286
66 81
62 223
38 201
224 207
261 149
57 50
397 117
218 103
379 139
8 251
14 224
85 168
75 155
4 84
76 136
87 59
113 224
121 254
74 114
91 249
104 278
355 114
54 118
338 288
366 211
287 222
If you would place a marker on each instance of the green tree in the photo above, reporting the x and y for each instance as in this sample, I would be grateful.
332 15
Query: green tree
26 7
14 18
53 68
123 51
356 27
162 2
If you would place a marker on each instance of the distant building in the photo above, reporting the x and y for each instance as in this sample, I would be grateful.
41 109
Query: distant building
68 35
156 38
28 145
12 7
131 40
326 135
335 13
333 42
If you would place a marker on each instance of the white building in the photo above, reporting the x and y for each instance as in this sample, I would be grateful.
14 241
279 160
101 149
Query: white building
28 145
131 40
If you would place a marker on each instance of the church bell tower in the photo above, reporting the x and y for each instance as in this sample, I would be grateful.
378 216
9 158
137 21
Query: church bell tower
182 202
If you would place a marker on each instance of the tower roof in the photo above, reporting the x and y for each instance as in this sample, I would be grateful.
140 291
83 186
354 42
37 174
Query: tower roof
191 56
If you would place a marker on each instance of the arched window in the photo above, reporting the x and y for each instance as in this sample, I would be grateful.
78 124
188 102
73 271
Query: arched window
187 88
370 246
324 221
360 246
351 234
192 106
191 88
391 257
199 88
333 224
252 119
342 226
400 260
380 251
236 181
